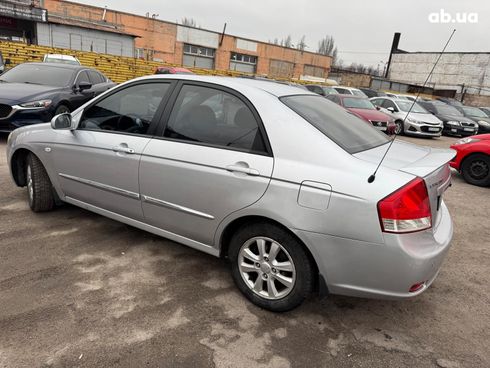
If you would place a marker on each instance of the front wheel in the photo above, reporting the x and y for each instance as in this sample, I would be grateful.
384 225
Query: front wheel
39 188
476 170
270 267
399 127
62 109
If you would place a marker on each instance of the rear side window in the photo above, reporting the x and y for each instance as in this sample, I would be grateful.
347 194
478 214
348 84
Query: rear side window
212 116
348 131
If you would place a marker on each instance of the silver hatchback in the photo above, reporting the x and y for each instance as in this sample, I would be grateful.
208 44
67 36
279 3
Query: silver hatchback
272 177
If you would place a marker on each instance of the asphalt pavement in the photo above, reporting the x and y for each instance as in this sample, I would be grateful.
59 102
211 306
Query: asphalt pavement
80 290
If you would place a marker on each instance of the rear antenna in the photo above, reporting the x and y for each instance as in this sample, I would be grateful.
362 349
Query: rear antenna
373 176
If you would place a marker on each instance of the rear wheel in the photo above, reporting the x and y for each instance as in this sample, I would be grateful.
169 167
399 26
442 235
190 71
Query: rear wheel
270 267
476 169
39 188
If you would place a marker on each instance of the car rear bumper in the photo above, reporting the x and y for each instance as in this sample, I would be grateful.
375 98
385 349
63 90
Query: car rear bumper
387 271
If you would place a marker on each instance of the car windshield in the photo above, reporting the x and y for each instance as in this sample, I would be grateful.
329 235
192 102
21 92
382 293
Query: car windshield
342 127
474 111
358 103
447 110
46 75
359 93
406 105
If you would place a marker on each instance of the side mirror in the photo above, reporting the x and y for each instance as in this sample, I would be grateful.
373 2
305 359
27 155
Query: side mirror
62 122
378 108
391 109
83 86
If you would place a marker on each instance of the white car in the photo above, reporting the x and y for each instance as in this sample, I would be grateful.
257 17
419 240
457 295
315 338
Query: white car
59 58
343 90
418 122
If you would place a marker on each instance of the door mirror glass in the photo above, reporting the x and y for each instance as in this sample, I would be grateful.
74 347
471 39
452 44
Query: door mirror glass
83 86
62 121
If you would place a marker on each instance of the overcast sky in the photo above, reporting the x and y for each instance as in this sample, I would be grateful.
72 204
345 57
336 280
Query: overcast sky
363 29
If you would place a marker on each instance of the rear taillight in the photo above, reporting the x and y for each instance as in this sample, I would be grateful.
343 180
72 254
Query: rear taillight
406 210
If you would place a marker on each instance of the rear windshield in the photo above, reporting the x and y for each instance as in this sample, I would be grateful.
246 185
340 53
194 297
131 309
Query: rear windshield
348 131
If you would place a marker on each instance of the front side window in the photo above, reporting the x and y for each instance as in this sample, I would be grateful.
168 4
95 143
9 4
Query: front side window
130 110
210 116
343 91
345 129
95 78
82 77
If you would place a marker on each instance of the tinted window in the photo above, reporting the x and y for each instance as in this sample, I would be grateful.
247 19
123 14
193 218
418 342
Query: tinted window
387 103
83 77
345 129
342 91
211 116
333 98
130 110
95 77
474 111
47 75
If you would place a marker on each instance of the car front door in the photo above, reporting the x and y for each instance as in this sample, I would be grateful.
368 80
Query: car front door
213 158
98 162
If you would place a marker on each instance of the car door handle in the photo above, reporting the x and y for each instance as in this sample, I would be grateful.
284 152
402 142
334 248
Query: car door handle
124 149
243 169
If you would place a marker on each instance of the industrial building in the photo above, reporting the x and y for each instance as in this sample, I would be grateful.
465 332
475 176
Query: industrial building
458 74
71 25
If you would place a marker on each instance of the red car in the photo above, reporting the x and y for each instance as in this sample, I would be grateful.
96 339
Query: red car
363 108
172 70
473 159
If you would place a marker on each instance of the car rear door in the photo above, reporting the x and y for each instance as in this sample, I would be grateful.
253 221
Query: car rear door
212 159
98 163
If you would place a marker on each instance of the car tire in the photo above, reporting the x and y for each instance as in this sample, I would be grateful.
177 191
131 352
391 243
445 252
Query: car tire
278 278
39 187
476 169
62 109
399 130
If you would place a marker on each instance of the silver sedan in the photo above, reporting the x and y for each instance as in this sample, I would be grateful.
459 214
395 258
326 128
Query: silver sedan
270 176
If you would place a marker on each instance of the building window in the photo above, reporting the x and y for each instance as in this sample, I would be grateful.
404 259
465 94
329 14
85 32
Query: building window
243 63
281 69
198 56
314 71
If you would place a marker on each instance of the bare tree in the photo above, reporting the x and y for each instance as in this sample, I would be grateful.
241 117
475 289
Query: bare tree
190 22
301 43
326 46
287 42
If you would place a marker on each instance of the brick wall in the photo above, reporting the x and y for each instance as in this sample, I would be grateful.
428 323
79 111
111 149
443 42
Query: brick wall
161 36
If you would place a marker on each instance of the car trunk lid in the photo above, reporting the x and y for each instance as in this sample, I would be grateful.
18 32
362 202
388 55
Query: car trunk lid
431 164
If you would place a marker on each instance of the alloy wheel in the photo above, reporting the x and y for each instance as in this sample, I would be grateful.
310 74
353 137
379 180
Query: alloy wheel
266 268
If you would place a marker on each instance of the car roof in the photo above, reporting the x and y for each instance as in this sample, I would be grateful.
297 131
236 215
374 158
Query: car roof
60 65
61 56
271 87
